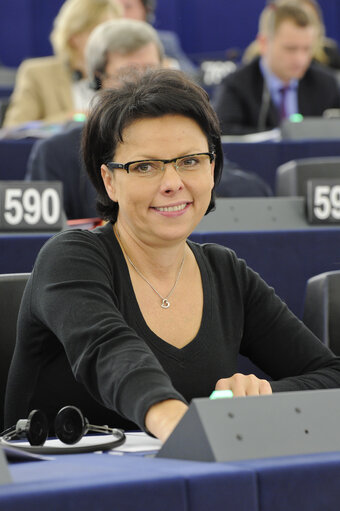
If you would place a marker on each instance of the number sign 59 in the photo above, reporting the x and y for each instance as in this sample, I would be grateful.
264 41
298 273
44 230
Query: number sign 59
323 201
35 205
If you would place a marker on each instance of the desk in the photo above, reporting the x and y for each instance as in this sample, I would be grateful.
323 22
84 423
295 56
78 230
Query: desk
93 482
19 251
96 482
264 158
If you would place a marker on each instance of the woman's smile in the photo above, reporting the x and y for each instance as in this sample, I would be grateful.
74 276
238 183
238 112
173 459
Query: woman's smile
169 203
175 210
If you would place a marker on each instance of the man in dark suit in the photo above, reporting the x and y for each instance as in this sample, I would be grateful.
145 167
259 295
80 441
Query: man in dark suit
282 82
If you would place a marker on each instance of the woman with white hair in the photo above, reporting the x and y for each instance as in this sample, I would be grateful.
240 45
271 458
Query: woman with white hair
52 89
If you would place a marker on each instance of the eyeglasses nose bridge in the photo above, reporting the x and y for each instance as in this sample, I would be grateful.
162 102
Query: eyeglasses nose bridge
174 162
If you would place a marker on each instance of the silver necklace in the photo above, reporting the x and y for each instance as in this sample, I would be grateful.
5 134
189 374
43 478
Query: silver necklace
165 304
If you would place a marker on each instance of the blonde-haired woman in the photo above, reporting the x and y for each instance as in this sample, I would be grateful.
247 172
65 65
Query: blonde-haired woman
52 89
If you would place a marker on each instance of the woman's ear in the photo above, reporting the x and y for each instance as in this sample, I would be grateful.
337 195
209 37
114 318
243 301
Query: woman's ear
108 180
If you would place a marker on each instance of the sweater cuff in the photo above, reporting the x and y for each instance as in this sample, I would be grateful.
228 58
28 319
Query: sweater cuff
143 390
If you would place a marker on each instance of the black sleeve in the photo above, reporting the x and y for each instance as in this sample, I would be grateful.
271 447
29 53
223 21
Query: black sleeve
74 297
280 344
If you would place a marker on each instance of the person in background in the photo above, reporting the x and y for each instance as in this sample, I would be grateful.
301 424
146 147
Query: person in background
282 82
113 47
326 50
53 89
131 321
174 55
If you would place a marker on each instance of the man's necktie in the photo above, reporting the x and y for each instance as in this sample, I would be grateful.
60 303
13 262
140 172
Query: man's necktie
282 107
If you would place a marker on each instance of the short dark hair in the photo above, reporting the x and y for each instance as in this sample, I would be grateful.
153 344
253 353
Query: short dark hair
154 93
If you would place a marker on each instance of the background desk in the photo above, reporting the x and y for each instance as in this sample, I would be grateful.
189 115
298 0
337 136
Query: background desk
19 251
285 259
262 158
96 482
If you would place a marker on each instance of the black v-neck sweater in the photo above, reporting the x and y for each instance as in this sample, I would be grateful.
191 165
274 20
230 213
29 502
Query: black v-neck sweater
82 339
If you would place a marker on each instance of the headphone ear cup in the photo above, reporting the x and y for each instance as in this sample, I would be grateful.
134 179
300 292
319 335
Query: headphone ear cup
70 425
34 428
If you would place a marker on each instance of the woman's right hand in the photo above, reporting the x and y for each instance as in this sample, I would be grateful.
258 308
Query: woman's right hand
162 418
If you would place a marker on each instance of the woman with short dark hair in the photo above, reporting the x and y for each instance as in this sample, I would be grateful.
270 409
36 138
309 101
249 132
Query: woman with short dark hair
131 321
152 95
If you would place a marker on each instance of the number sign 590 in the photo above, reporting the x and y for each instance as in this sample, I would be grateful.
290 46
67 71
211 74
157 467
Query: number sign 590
31 206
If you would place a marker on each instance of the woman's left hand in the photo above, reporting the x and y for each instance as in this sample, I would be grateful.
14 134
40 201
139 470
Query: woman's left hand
244 385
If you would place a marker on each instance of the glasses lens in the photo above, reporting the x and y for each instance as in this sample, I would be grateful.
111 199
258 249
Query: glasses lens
193 162
146 168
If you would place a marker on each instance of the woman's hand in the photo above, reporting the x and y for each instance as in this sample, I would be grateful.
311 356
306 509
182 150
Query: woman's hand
244 385
162 418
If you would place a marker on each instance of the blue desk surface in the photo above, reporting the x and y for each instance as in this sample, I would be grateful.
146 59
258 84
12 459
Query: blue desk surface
262 158
101 481
94 482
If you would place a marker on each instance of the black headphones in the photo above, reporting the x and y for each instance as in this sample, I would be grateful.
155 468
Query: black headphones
70 426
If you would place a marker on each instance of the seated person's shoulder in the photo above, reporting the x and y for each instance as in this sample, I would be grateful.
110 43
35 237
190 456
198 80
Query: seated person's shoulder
71 134
64 141
56 155
243 73
236 182
45 64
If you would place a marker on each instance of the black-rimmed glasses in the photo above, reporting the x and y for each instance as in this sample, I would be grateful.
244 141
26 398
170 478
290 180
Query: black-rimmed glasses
189 162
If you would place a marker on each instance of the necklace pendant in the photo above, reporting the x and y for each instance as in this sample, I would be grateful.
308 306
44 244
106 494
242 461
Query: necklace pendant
165 304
